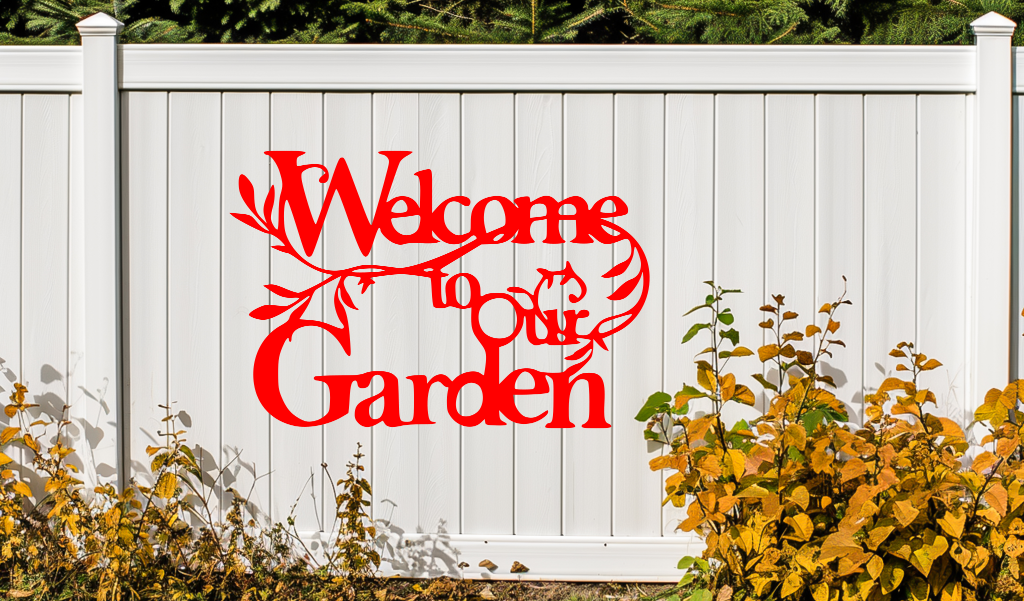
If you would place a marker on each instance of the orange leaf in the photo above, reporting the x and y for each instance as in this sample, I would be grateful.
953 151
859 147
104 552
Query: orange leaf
728 386
767 352
996 497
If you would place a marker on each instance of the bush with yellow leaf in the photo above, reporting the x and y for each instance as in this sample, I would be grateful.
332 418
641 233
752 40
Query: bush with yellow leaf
799 504
159 542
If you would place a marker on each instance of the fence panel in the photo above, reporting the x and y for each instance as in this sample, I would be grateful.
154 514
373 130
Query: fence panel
776 179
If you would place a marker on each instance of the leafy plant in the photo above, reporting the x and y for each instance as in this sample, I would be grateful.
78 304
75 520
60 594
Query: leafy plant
162 541
799 504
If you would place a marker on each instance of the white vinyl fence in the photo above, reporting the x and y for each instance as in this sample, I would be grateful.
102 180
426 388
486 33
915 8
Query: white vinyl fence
775 170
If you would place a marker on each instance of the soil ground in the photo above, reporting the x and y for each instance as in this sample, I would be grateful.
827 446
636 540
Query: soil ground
475 590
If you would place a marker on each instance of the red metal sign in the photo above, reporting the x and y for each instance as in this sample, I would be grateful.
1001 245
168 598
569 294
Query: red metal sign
593 224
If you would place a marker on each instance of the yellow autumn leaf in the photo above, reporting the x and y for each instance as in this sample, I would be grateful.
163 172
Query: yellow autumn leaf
1013 547
166 485
802 526
744 395
952 592
796 435
854 468
877 536
705 380
752 491
4 459
892 577
933 546
31 442
905 512
767 352
875 566
996 497
800 496
960 554
9 434
22 489
983 461
953 523
791 584
728 386
737 462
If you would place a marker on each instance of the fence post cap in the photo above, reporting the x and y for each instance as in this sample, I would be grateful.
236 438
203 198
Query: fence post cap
993 23
99 24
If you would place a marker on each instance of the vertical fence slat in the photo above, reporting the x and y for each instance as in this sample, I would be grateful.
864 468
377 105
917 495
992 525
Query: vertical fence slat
396 316
636 351
839 197
246 269
789 206
588 148
739 222
144 194
347 134
193 273
890 247
439 329
689 239
78 288
538 448
10 247
44 297
296 124
488 159
941 247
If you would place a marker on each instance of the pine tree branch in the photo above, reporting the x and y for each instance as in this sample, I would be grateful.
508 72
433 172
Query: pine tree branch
694 9
416 27
784 33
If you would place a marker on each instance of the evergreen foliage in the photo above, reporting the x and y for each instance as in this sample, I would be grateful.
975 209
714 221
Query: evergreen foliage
512 21
481 22
53 22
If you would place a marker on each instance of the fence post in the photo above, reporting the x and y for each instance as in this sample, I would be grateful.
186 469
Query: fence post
990 292
102 249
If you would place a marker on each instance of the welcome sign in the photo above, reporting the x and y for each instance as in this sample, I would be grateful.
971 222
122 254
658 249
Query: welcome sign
590 222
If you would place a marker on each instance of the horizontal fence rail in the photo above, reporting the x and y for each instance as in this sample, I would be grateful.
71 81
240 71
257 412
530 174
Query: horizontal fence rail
499 68
770 169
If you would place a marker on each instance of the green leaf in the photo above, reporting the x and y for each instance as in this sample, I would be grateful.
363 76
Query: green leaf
701 595
686 562
811 420
834 415
651 435
697 308
731 334
697 327
726 318
764 382
732 291
655 403
690 391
